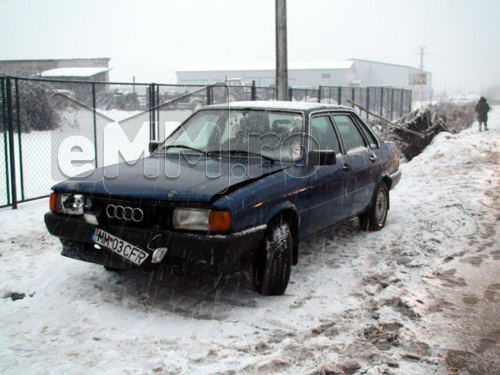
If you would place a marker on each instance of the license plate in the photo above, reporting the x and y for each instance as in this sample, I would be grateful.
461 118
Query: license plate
123 248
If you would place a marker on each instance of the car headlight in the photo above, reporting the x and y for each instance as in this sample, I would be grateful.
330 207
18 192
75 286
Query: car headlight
200 219
72 204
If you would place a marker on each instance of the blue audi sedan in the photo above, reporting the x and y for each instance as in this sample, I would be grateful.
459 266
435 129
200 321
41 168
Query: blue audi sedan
235 187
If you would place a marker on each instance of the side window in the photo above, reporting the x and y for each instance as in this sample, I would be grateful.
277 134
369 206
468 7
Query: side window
349 132
323 134
368 134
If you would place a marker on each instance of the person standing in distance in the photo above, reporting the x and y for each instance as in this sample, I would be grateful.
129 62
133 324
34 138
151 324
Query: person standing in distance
482 109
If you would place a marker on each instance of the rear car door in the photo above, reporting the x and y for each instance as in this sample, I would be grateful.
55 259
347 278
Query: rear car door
329 202
360 162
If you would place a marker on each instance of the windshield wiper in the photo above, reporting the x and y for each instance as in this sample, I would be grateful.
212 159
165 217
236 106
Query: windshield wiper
242 152
187 148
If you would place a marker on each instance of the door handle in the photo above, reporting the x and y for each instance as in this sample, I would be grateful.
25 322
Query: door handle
347 168
373 158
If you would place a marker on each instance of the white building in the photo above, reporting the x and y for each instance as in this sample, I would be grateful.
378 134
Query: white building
346 73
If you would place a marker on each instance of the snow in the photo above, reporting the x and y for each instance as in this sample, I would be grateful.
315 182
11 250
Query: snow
413 298
73 72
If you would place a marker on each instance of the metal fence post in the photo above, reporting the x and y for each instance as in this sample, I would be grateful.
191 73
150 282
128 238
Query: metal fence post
209 96
18 119
152 111
254 91
5 133
382 101
402 102
12 155
319 94
392 103
411 99
290 94
340 94
157 105
367 102
95 122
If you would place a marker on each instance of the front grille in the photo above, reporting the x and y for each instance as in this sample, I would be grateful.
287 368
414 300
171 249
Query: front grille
155 215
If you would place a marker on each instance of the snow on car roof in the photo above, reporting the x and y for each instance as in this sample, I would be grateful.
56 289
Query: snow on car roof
299 106
74 72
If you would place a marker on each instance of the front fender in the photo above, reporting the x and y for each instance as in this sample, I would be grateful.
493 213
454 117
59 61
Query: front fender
391 179
284 206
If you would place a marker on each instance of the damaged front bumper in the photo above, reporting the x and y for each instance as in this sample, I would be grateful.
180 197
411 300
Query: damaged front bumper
221 253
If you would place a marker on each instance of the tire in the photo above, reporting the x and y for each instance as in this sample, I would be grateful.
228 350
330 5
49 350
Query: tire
271 266
374 219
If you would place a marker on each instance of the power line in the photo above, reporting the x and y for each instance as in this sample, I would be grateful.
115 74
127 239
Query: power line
466 55
481 58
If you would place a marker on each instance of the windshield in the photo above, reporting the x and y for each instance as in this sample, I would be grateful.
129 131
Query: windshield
272 135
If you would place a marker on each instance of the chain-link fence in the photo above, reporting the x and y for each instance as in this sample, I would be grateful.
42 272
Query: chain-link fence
388 102
38 117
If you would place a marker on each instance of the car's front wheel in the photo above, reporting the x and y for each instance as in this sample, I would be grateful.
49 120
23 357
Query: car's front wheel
375 217
272 263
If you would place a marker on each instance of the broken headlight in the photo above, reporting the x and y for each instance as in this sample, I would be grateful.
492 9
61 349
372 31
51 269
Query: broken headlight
72 204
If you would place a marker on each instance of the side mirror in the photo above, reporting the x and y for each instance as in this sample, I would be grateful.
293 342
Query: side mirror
322 157
153 145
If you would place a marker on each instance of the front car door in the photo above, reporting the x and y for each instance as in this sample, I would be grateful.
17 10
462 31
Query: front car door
329 202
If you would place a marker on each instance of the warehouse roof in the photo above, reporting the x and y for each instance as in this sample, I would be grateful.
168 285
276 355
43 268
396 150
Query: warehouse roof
74 72
323 65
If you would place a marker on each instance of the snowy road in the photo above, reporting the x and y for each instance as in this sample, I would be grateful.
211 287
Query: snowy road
422 296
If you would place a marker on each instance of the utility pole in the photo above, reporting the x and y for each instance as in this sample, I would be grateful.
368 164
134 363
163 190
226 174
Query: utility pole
281 52
421 72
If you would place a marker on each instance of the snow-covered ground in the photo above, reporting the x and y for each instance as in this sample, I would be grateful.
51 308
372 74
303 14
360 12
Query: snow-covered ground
422 296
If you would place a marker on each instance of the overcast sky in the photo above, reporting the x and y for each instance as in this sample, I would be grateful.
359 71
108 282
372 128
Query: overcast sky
152 39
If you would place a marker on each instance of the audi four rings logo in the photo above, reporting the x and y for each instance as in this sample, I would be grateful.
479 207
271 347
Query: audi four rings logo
124 213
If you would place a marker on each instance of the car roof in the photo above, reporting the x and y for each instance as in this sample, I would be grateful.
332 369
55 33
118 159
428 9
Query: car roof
280 105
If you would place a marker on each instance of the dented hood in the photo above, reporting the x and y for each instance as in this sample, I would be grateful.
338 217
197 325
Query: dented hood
173 177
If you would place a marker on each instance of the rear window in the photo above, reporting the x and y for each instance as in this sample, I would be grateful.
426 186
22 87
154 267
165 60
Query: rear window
353 140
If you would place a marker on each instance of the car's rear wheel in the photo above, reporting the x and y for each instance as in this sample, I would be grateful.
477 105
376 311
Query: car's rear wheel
375 217
272 263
